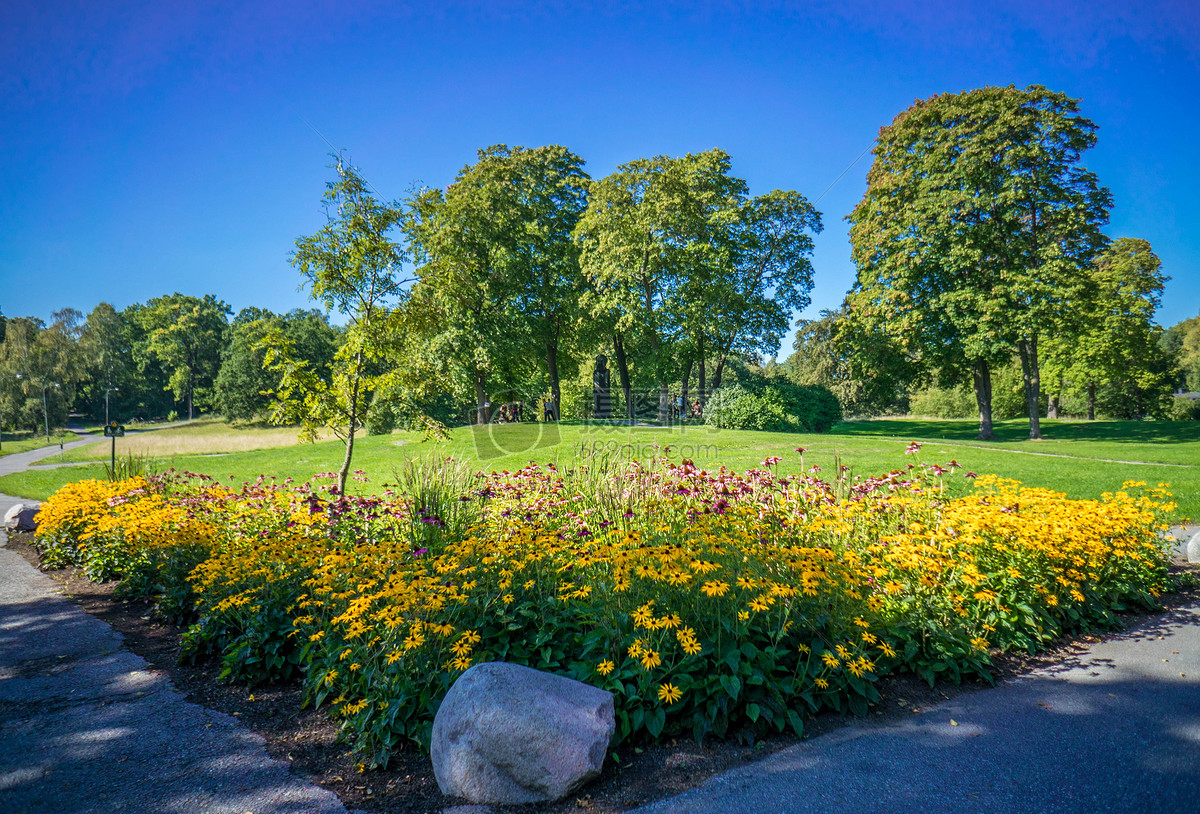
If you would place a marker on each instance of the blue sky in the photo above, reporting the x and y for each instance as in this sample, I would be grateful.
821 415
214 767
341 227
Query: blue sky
159 147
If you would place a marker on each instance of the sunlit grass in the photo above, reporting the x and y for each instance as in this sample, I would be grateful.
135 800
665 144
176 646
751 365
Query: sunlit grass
1081 459
205 436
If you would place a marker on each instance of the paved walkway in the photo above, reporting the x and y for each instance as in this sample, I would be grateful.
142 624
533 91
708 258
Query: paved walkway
85 726
1115 729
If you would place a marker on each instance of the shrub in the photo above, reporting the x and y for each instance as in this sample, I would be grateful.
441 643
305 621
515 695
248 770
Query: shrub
1184 409
943 402
777 406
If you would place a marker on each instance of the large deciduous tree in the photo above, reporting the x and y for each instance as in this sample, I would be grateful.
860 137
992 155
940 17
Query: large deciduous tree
977 231
496 259
1181 342
185 336
245 387
1116 351
767 276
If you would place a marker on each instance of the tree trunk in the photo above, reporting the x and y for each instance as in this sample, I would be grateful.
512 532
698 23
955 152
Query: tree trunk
623 373
481 399
1056 400
717 371
982 375
356 382
701 382
1091 401
552 368
1033 384
683 389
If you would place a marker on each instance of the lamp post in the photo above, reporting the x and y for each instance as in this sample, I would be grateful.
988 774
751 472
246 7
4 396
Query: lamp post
107 390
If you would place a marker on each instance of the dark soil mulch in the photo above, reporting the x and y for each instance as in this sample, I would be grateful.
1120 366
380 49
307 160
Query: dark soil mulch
308 740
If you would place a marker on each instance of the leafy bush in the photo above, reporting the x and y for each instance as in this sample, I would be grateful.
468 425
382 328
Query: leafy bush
707 602
1184 409
777 406
943 402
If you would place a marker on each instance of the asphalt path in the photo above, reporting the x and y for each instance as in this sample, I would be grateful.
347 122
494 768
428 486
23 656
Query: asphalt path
86 726
1114 729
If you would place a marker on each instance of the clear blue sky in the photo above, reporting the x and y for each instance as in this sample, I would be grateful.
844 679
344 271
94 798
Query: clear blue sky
152 147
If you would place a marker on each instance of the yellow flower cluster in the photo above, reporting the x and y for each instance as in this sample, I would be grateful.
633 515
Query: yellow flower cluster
673 587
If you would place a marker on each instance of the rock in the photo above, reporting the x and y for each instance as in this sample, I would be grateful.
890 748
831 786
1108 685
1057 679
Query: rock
1193 549
21 518
510 734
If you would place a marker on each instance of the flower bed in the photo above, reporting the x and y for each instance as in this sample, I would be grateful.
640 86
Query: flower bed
706 601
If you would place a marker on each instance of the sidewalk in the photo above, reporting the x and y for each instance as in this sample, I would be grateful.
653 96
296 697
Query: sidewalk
1116 728
86 727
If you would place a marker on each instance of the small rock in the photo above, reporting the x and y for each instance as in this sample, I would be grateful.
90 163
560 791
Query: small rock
21 518
510 734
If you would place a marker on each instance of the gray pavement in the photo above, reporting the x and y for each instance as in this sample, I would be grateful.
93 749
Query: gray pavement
1115 729
86 726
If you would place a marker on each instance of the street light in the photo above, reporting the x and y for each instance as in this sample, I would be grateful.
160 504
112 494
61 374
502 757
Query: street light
107 390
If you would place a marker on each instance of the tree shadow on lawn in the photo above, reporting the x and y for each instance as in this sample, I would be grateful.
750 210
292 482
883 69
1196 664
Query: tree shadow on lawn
1017 430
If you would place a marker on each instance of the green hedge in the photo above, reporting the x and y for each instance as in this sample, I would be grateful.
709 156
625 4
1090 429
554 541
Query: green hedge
776 406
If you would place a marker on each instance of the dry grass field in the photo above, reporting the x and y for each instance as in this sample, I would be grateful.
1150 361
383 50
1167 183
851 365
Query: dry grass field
204 436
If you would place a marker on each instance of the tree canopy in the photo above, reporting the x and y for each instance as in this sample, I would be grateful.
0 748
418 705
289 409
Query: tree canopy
978 229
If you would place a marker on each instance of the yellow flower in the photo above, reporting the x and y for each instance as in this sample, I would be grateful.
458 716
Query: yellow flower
822 683
605 667
714 587
669 693
650 659
830 660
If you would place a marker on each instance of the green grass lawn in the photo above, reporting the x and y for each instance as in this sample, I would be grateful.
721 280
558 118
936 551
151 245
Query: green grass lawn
1082 459
14 442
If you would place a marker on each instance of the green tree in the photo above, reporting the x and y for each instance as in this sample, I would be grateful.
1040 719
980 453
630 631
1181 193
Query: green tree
1115 354
352 266
867 372
106 347
244 386
496 259
1181 343
184 335
977 231
466 242
654 231
747 305
40 368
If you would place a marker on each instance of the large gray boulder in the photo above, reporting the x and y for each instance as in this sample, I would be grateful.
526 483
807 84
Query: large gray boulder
1193 549
21 518
509 734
